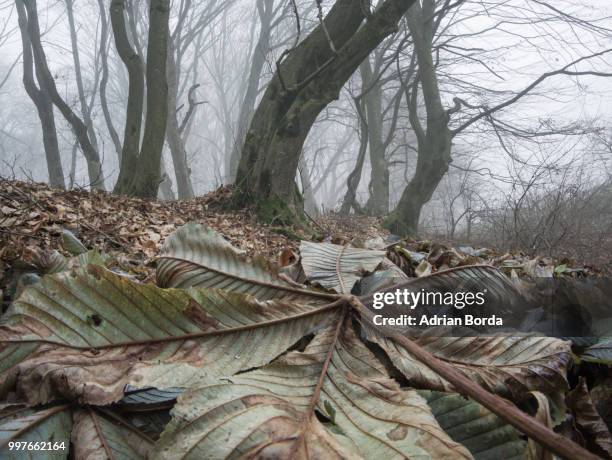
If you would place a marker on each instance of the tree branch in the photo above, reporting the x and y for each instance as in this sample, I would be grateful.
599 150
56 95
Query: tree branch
191 108
562 71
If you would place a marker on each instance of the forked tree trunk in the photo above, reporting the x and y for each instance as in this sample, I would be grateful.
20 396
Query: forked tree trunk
140 172
147 177
43 103
135 102
46 80
307 81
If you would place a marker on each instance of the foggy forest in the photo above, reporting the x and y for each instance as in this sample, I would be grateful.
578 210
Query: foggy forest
204 202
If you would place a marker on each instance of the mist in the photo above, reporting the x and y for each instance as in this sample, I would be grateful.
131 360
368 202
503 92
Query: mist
512 147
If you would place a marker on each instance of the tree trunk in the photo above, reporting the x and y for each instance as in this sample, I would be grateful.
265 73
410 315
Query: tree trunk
265 11
85 109
175 138
133 117
45 78
147 180
104 80
305 83
378 202
43 103
165 187
140 173
350 198
310 203
434 141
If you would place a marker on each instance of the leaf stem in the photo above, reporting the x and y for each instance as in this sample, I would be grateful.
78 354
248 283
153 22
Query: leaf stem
504 409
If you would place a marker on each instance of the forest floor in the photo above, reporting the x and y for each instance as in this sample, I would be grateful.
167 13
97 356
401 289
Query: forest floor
32 216
38 226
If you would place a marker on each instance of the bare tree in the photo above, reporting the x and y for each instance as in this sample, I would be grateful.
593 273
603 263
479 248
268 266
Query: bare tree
173 128
266 13
297 94
104 42
350 198
191 25
140 172
434 138
45 78
85 105
43 103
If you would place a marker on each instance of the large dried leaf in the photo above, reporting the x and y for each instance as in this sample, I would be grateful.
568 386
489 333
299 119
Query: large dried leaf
85 334
196 256
270 412
51 425
482 432
96 437
337 267
509 366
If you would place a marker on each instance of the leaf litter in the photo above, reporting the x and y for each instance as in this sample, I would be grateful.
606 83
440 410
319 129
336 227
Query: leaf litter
223 336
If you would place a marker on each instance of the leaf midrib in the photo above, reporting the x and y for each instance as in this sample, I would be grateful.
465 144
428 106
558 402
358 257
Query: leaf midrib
194 335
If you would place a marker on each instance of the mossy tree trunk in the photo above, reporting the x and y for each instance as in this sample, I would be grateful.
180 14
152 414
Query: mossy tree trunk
310 78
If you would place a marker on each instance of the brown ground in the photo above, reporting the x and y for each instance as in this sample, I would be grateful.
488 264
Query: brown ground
32 216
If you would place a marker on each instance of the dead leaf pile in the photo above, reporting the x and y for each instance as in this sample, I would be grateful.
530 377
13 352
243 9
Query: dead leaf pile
220 356
32 216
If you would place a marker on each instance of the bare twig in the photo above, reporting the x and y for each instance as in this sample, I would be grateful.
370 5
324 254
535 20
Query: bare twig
562 71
